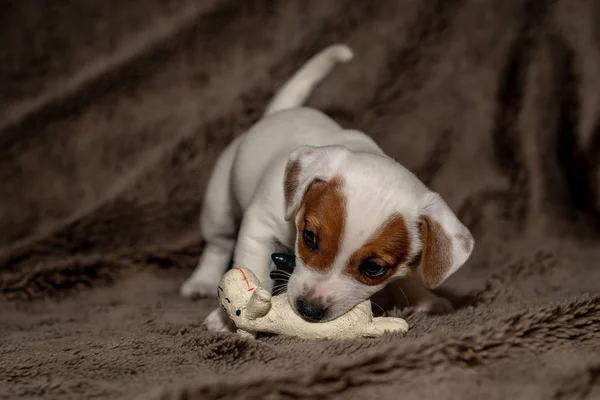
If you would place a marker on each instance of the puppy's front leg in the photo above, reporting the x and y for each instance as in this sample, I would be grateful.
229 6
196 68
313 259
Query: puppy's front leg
253 251
412 292
219 321
256 243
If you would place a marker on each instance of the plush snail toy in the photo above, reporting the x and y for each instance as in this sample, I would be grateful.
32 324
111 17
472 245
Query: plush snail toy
253 309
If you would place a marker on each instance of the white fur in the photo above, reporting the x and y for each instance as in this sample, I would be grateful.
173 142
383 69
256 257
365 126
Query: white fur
245 196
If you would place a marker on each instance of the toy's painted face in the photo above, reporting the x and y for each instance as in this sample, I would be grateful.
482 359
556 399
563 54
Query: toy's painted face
234 292
227 305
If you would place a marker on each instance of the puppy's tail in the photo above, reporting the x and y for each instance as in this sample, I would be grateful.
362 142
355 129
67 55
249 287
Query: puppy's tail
297 89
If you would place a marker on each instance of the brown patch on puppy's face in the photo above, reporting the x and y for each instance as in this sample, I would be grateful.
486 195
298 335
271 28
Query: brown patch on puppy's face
388 248
322 217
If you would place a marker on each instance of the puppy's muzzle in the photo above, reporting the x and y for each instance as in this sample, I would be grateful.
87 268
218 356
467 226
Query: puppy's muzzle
311 310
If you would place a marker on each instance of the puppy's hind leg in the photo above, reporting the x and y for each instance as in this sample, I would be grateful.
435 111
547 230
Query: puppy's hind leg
218 227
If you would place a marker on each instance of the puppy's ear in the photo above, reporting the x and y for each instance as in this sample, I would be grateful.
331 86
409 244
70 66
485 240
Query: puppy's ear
305 165
447 243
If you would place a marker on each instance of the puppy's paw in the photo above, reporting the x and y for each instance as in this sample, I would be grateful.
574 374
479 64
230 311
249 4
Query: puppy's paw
197 287
435 305
218 321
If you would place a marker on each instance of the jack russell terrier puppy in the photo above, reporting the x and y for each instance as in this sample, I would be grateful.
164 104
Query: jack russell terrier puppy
357 220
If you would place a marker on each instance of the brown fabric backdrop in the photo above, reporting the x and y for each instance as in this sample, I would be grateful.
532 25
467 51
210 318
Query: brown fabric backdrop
112 114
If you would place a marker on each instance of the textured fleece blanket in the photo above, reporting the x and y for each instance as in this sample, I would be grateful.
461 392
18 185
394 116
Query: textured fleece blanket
112 114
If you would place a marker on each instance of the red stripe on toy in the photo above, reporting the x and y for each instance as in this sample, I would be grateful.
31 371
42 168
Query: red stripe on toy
246 279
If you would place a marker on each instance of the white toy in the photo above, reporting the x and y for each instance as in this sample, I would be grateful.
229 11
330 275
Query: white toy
253 309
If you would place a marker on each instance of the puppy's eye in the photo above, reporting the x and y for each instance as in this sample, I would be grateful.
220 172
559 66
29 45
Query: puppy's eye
371 270
238 312
310 239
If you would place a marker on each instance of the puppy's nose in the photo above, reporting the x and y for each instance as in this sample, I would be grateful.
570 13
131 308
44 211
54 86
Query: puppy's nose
310 310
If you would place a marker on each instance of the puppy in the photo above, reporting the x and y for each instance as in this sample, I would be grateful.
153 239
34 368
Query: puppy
356 219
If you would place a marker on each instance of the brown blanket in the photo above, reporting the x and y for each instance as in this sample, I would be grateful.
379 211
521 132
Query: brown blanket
113 112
